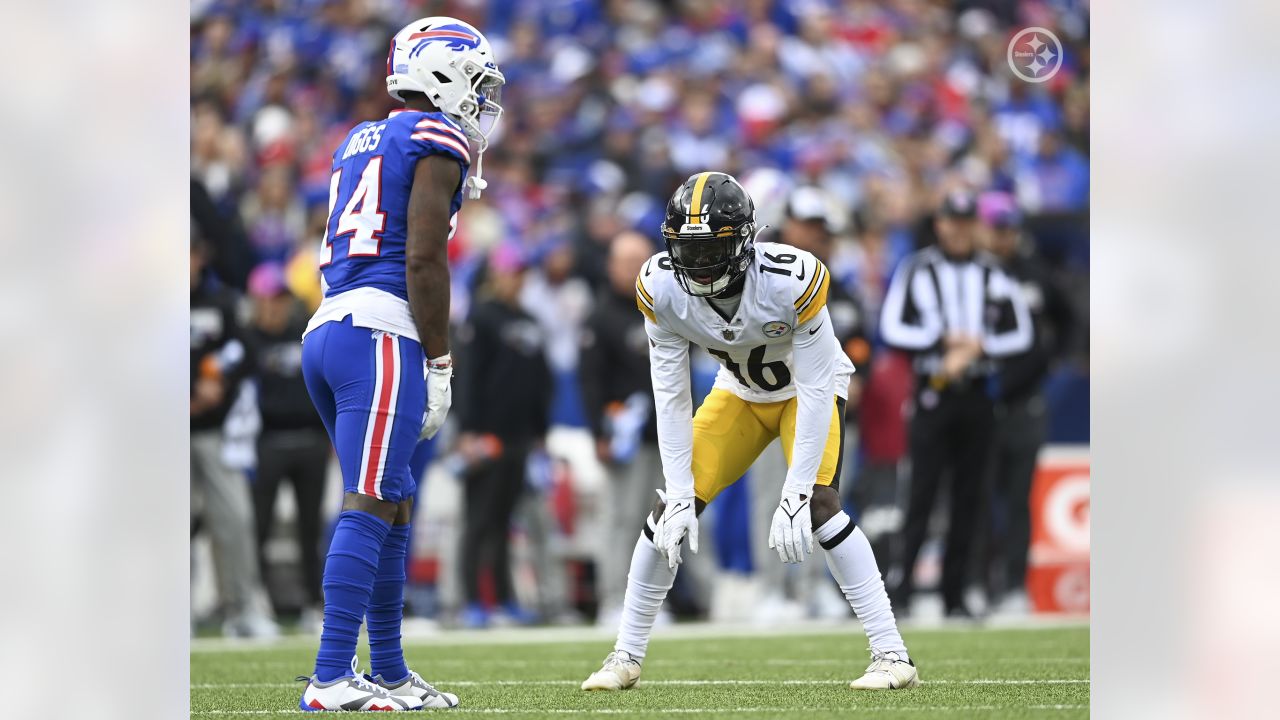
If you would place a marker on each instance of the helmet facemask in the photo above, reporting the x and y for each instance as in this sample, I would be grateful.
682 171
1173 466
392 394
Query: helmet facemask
707 264
484 99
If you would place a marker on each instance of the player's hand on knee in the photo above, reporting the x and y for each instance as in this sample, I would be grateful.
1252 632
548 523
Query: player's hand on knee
439 395
791 533
679 520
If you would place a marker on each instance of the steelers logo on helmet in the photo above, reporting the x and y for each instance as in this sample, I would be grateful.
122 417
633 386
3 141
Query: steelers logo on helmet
710 230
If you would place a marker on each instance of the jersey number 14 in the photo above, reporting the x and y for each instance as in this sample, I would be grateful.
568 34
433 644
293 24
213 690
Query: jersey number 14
362 218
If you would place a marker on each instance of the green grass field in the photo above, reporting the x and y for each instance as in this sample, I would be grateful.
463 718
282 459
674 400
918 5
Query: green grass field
988 673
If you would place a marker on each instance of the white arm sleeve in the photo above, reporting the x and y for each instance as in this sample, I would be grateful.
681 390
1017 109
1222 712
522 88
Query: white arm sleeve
896 331
815 366
669 368
1018 339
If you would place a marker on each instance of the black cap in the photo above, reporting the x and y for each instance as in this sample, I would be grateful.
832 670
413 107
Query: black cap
959 204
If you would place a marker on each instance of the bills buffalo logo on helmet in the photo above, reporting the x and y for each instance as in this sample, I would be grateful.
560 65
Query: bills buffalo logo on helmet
458 37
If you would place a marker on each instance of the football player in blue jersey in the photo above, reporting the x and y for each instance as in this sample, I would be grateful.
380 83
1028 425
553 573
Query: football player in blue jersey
376 354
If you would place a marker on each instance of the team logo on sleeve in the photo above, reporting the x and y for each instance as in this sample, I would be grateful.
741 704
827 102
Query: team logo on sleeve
775 329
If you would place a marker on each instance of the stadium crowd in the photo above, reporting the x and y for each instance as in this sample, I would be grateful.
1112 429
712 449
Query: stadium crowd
883 107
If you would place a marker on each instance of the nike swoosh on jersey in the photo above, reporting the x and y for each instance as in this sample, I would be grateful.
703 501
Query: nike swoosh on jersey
811 332
801 275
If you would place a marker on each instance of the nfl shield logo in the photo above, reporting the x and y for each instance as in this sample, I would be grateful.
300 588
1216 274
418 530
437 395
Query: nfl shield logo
728 334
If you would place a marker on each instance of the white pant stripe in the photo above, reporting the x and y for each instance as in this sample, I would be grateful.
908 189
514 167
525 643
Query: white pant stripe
391 413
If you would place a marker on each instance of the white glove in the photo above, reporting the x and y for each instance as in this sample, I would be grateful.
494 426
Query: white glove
679 519
791 533
439 395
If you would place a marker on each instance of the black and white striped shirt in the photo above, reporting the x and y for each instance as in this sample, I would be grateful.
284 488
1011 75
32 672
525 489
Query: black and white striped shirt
932 296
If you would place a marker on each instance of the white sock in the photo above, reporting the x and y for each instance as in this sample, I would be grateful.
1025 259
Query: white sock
854 566
648 583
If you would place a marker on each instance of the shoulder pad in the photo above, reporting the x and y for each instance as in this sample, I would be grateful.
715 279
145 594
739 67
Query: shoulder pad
794 275
437 132
812 283
648 281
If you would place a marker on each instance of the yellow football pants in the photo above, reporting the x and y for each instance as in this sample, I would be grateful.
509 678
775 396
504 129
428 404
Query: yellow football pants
729 433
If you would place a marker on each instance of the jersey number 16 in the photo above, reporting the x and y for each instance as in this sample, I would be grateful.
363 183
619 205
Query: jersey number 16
755 369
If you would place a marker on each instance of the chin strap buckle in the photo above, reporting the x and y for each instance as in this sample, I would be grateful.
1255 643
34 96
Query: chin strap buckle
476 184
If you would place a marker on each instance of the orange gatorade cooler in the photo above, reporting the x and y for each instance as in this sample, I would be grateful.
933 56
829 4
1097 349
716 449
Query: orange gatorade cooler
1058 566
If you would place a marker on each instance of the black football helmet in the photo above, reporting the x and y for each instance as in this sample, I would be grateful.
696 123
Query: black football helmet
710 232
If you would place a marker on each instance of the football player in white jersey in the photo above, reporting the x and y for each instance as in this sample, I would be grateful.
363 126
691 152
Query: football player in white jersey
761 310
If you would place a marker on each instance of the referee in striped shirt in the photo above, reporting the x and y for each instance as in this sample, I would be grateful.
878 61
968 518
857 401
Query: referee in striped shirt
955 312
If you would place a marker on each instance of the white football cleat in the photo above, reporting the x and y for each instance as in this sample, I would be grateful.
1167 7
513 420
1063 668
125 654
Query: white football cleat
620 671
357 692
887 671
415 687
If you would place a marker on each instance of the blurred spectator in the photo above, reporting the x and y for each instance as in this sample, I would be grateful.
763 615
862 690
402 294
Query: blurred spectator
274 214
293 444
1055 179
618 396
1024 116
503 415
220 494
230 255
1020 409
560 303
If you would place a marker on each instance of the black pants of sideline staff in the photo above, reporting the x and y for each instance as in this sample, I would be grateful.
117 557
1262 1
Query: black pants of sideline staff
951 431
492 489
1020 429
301 457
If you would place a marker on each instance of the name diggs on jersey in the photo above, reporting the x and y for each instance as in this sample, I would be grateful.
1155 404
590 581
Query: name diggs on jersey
365 140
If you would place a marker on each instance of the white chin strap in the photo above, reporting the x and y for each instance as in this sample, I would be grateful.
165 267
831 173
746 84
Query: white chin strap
476 184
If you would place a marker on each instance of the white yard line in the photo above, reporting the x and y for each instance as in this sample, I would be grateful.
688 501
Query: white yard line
926 664
699 711
677 631
435 664
481 683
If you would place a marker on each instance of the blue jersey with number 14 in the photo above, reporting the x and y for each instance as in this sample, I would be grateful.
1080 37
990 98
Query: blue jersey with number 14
364 243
